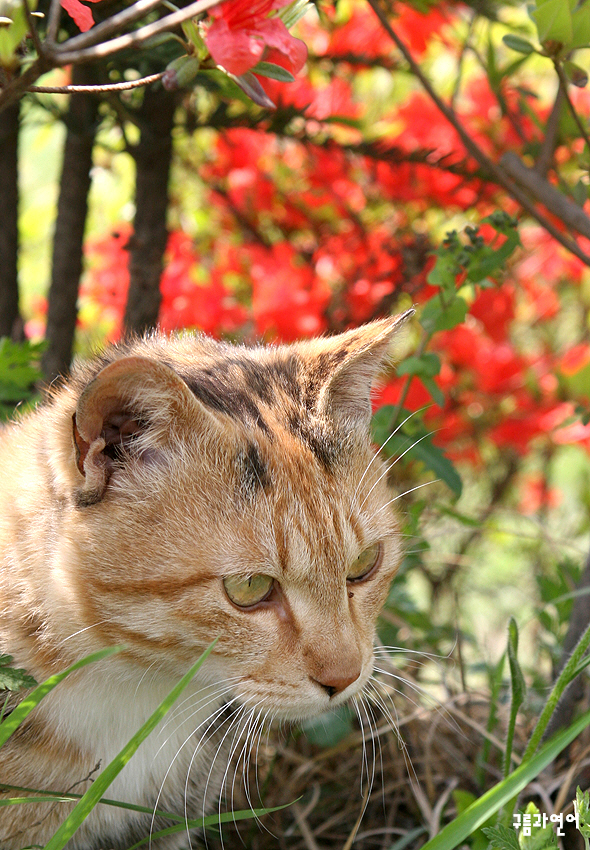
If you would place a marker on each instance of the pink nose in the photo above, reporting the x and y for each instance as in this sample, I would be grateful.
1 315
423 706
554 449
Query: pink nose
334 682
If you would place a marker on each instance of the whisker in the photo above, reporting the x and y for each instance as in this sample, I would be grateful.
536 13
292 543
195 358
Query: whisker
394 723
212 718
388 469
406 493
379 450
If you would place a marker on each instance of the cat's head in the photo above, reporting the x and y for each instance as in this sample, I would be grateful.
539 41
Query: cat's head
231 492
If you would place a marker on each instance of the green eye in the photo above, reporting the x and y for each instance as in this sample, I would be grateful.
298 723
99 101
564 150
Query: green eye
248 591
367 561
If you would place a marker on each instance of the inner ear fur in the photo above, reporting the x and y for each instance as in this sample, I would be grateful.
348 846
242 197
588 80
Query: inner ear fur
125 399
358 356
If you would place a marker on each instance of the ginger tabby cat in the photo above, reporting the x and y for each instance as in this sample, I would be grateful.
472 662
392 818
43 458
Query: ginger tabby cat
170 492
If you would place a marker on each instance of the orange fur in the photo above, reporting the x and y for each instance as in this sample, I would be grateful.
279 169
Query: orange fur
152 474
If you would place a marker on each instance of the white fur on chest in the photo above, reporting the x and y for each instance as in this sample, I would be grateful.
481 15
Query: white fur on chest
101 715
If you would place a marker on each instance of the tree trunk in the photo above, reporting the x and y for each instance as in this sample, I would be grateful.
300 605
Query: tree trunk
69 228
153 155
11 324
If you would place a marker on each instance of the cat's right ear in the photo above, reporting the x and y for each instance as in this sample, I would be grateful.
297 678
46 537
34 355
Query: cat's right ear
134 404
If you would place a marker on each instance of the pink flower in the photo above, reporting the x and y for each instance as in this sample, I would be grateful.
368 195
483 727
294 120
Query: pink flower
242 33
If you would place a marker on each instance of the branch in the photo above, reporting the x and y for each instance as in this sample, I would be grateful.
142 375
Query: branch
551 130
53 21
571 214
65 55
106 28
130 84
497 173
19 85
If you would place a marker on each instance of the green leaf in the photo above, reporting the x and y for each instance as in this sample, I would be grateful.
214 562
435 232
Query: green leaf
330 728
437 316
12 34
554 21
515 42
294 11
576 75
501 837
425 366
582 810
90 799
492 259
434 391
445 270
581 25
274 72
541 837
12 678
455 833
420 447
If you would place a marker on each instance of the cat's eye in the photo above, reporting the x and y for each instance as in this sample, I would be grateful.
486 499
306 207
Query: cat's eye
249 590
366 563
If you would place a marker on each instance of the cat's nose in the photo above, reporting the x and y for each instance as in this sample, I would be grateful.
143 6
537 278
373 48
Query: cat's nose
334 682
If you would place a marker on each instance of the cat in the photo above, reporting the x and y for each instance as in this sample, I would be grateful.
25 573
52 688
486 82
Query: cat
173 491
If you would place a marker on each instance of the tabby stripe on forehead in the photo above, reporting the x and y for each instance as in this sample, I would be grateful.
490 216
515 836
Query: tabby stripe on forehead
253 472
214 393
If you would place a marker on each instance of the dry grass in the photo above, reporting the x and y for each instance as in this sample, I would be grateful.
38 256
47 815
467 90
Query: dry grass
413 788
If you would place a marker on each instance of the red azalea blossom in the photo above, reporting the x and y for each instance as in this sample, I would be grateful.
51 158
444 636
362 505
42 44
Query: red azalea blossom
81 14
242 33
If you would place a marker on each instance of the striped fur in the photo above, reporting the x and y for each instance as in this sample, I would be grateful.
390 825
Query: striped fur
154 472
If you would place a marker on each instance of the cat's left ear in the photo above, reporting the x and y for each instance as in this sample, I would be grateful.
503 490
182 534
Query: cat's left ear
357 357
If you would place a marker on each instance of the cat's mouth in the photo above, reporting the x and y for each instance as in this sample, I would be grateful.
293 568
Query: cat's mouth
303 701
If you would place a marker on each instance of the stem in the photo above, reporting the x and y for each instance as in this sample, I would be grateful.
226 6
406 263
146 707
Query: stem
556 694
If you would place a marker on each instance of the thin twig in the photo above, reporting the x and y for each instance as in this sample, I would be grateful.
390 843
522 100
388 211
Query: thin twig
64 55
129 84
496 172
33 29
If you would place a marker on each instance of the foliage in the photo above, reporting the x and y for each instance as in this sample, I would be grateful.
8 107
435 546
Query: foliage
13 678
19 374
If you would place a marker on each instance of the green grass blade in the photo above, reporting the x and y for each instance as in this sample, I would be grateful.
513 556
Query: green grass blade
208 820
18 801
478 812
518 691
111 771
41 796
16 717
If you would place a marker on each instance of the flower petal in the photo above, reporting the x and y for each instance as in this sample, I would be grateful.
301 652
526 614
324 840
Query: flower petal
236 50
81 14
277 36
